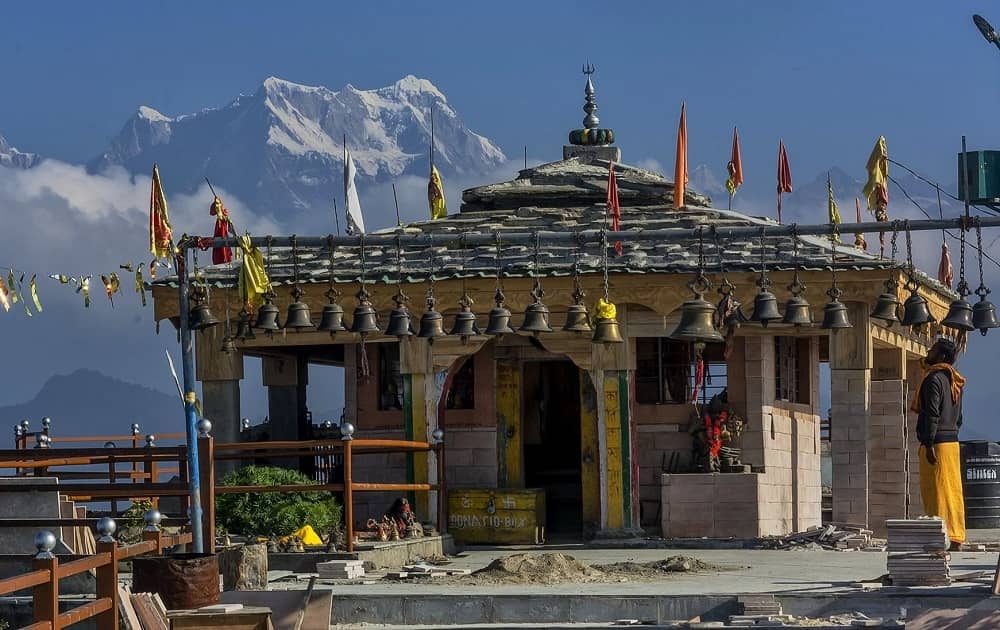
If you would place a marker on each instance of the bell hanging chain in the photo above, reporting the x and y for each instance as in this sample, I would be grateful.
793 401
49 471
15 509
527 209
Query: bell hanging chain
963 286
578 293
604 250
431 300
700 285
911 279
763 282
796 287
725 287
982 290
331 293
400 297
465 300
536 290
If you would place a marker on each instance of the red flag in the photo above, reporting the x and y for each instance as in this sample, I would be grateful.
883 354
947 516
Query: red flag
946 273
859 238
681 161
735 166
784 175
613 208
220 255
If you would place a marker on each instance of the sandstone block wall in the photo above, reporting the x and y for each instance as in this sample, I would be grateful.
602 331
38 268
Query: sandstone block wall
888 451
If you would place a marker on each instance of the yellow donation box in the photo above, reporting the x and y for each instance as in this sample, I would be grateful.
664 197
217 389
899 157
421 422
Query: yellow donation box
497 515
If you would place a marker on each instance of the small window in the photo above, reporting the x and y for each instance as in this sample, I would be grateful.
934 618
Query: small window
462 394
791 369
665 371
390 381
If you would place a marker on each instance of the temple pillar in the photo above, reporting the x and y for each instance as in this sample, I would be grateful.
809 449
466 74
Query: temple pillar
220 374
286 378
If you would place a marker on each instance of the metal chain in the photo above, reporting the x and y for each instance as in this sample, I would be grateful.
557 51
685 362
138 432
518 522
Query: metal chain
963 286
763 282
982 290
295 259
430 279
499 263
604 248
895 233
399 266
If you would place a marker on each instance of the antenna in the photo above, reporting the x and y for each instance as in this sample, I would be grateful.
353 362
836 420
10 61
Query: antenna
432 136
525 157
396 201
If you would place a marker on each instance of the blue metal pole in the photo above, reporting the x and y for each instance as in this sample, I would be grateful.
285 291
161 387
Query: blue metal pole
190 412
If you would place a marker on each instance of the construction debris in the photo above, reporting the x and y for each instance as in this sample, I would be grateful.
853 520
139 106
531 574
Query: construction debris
340 569
831 537
918 552
758 605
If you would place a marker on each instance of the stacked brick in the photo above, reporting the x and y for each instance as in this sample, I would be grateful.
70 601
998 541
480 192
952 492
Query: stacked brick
918 552
888 468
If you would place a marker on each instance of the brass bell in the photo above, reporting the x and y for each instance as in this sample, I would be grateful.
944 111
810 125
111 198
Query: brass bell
835 312
201 317
577 319
915 311
887 306
365 319
465 319
228 345
267 317
765 308
332 318
244 331
797 312
298 312
696 322
431 322
607 330
499 322
984 314
399 318
536 318
959 315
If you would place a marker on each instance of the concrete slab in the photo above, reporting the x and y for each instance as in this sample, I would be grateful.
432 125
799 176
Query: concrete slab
28 503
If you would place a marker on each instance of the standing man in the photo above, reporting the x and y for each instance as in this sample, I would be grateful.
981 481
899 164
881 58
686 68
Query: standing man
939 405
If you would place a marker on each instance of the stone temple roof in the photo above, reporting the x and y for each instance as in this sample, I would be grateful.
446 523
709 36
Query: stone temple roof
569 196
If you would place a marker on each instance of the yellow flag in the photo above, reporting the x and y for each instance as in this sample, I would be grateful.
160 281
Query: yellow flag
160 233
435 195
832 209
877 188
254 282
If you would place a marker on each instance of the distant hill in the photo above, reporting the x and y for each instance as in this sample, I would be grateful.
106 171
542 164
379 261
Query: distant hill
86 402
12 158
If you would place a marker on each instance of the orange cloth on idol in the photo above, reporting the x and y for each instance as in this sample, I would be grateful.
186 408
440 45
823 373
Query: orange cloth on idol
941 488
957 382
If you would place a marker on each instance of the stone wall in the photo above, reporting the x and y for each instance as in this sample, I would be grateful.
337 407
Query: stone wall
471 457
378 467
888 454
657 443
715 505
849 426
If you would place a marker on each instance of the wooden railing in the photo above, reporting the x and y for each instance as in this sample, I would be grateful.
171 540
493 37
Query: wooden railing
47 570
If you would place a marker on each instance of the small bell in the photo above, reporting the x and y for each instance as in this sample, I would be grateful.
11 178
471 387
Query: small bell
499 322
201 317
399 318
267 315
228 345
577 319
332 318
915 311
536 315
244 331
835 312
797 311
984 314
696 322
959 315
887 306
298 312
431 322
465 320
765 308
365 319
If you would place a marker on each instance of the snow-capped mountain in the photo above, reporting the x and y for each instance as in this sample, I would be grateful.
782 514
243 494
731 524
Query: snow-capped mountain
281 148
12 158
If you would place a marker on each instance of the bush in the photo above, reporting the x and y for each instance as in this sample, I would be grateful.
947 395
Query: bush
273 513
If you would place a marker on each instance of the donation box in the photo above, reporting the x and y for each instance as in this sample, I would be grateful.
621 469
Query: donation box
497 515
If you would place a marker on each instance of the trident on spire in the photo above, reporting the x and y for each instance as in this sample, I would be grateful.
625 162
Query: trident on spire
588 69
591 120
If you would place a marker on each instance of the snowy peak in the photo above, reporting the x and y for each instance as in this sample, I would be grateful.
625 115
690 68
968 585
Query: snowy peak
283 145
12 158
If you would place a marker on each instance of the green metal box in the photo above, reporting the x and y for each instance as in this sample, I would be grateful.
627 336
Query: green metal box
984 177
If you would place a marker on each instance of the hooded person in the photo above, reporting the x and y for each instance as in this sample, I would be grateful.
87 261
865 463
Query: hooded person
938 404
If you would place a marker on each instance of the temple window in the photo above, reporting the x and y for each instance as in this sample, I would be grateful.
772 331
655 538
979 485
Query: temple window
791 369
665 371
462 394
390 381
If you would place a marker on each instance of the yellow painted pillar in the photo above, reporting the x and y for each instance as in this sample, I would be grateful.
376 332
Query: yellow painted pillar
590 454
510 473
415 419
614 465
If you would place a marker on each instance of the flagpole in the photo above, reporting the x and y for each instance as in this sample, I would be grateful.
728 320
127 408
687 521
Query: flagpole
396 201
336 216
347 203
432 137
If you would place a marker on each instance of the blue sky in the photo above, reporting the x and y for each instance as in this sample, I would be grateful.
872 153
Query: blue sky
827 77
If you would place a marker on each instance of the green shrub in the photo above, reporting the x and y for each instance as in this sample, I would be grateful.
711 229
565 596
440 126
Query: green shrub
273 513
132 522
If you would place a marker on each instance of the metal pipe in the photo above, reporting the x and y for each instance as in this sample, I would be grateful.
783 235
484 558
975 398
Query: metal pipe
545 237
190 412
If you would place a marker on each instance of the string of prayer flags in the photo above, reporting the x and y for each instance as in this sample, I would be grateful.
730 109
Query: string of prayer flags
4 295
34 294
83 287
12 287
140 286
112 285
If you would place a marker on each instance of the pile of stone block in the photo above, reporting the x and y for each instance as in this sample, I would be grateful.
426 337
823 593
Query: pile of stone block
340 569
832 537
918 552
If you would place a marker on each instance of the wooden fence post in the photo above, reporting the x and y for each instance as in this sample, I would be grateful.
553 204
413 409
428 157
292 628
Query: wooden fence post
107 586
45 597
348 496
206 466
154 534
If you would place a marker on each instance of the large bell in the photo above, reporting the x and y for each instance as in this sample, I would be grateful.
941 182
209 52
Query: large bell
765 308
499 322
577 319
465 320
984 315
606 330
365 319
244 331
696 322
959 315
332 319
797 312
887 306
431 323
201 317
399 318
915 311
835 315
298 313
267 317
536 318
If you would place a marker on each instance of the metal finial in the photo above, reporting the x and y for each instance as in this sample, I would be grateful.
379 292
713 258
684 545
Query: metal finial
204 427
244 424
150 440
46 422
152 519
347 431
45 542
590 121
106 527
438 435
135 428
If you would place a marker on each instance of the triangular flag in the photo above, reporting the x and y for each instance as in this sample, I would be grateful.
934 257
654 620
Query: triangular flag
784 175
735 166
435 195
160 233
614 210
355 222
681 161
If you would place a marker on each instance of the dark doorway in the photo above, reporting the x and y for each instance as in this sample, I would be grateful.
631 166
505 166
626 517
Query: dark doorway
552 442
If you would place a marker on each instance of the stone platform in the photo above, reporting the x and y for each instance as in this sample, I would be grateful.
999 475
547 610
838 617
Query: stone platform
384 555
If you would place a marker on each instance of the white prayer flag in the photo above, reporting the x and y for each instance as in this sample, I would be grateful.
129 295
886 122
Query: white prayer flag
355 222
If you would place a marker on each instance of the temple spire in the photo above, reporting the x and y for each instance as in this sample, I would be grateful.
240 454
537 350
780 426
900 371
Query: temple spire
591 120
592 141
